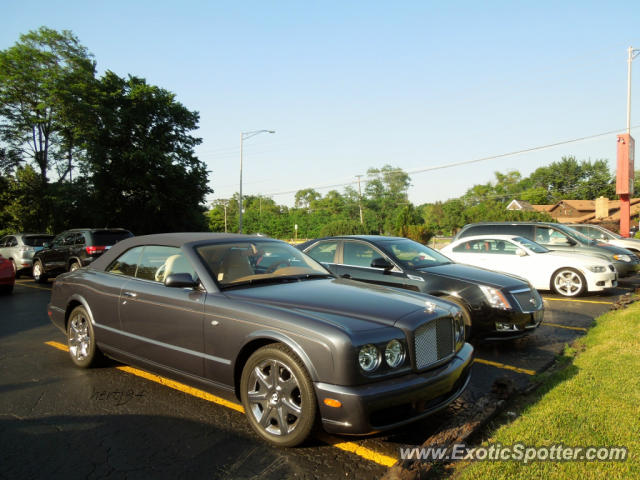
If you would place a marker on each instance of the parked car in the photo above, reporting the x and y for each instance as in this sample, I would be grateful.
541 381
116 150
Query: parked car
73 249
7 275
290 340
556 236
601 234
494 305
20 247
567 274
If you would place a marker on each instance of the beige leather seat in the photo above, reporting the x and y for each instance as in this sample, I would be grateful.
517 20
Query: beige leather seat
235 264
174 264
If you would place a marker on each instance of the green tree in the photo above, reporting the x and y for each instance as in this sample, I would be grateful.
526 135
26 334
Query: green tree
571 179
43 79
141 160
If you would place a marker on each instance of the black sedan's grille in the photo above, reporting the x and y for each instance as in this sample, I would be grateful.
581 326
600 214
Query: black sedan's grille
433 342
528 300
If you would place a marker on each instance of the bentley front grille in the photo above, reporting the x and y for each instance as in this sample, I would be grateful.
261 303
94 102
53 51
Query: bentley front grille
433 342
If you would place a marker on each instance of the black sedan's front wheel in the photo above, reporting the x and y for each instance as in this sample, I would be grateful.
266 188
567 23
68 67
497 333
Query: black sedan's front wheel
278 396
38 272
81 339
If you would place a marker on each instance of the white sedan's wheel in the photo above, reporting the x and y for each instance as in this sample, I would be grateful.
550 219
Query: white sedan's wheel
568 282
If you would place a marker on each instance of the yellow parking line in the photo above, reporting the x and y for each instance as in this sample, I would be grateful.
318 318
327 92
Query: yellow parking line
350 447
364 452
577 300
33 286
581 329
58 345
505 367
194 392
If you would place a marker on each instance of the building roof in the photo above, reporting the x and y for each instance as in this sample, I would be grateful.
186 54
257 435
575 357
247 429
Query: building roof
583 211
520 205
543 208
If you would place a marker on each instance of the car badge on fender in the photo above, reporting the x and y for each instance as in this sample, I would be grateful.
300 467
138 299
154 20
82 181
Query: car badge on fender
430 307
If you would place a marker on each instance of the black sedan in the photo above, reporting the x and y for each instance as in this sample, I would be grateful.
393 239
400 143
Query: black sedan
494 305
255 319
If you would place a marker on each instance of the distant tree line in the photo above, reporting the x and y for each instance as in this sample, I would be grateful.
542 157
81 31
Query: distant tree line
77 150
387 210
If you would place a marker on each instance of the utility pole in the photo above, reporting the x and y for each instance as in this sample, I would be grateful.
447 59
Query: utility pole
360 199
243 137
625 154
224 204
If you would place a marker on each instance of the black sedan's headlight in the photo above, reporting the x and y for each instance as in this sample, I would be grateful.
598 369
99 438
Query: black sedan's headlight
458 330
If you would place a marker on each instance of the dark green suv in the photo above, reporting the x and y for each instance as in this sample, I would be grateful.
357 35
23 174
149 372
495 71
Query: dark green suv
73 249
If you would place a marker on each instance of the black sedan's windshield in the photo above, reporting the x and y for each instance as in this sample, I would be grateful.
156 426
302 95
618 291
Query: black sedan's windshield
258 263
413 254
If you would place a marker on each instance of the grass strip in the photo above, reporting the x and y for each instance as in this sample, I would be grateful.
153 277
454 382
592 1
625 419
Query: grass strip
593 400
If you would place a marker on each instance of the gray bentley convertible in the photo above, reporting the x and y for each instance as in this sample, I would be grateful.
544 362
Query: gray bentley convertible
254 319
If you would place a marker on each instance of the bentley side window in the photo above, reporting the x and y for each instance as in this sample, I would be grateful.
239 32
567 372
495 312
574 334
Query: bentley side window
127 263
152 263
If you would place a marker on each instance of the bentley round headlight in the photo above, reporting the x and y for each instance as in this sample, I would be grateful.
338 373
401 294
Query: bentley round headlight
394 353
369 358
622 258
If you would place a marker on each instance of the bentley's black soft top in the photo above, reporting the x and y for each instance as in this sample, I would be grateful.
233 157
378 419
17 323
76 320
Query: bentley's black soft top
169 240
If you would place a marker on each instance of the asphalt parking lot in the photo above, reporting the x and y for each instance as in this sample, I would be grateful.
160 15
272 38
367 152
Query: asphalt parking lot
116 421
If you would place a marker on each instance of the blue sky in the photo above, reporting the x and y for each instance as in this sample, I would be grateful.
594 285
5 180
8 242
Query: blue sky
353 85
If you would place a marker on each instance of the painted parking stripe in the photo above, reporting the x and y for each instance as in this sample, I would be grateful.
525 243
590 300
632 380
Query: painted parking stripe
32 286
359 450
195 392
577 300
504 366
557 325
350 447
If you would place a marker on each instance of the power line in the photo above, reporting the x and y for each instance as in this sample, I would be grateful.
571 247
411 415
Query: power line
457 164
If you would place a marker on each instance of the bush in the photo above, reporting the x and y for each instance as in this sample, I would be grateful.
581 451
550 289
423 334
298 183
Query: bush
418 233
342 227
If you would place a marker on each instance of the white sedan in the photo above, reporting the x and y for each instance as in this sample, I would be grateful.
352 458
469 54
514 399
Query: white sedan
569 275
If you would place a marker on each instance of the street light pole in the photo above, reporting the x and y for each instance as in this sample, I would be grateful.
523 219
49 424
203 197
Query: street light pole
631 55
625 154
244 136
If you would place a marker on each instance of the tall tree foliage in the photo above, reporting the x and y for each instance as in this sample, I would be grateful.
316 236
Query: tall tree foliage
141 158
43 81
119 152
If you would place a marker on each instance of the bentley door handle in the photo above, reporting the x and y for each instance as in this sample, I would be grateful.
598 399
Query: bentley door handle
129 294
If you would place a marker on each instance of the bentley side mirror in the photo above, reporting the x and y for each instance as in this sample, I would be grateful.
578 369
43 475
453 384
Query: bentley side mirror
180 280
521 253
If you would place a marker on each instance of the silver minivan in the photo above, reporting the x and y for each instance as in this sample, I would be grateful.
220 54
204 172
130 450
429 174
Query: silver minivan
556 236
20 247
